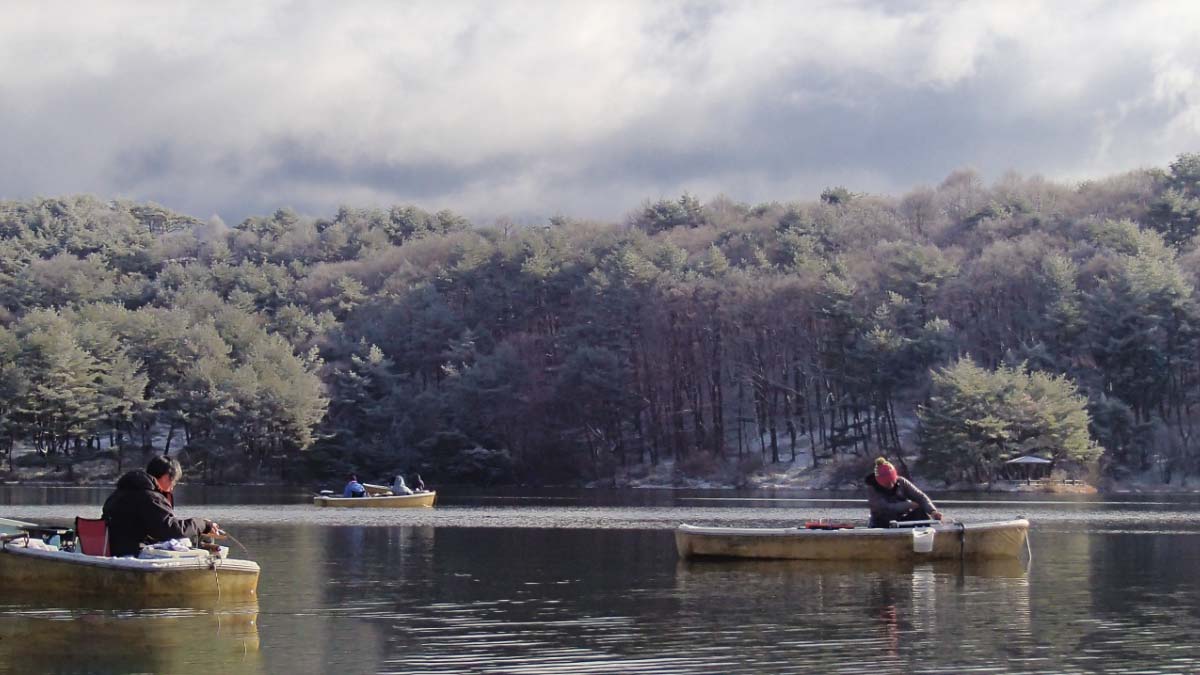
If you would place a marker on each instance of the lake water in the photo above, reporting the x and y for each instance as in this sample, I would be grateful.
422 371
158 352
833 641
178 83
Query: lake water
572 581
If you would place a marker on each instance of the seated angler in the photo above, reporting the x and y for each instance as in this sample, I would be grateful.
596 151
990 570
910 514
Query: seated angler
895 499
142 509
354 488
399 487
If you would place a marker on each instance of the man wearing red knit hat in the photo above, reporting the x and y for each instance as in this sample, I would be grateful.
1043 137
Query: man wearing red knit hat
896 499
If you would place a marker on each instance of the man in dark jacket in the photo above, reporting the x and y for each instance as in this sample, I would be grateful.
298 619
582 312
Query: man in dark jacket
893 498
142 509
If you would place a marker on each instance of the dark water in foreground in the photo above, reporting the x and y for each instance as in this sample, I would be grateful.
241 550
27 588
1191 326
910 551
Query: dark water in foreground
588 582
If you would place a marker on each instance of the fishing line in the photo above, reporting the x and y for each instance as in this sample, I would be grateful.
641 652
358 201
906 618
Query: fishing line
216 559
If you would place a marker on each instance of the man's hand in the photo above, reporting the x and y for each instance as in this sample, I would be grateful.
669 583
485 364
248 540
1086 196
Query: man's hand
936 515
213 528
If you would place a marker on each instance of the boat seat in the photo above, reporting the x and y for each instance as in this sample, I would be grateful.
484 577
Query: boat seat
91 535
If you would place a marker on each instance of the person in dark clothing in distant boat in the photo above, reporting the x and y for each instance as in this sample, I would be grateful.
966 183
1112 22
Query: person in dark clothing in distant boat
418 484
893 498
142 509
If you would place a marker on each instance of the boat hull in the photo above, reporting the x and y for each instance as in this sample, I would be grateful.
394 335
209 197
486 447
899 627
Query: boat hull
75 573
1004 539
422 499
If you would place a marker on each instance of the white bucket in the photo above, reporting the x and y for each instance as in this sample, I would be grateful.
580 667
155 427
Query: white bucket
922 539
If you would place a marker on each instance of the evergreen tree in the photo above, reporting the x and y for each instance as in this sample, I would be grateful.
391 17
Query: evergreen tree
976 419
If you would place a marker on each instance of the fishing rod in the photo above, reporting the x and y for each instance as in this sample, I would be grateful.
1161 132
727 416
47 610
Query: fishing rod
209 543
225 533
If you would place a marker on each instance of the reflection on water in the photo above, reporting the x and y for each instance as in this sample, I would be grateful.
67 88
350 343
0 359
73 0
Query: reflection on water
756 573
500 586
534 601
861 616
120 636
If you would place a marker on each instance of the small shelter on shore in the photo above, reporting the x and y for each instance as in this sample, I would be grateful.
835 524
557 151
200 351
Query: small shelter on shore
1028 468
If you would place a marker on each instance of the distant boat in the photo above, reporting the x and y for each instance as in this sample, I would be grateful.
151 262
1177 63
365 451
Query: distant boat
379 500
1002 539
194 574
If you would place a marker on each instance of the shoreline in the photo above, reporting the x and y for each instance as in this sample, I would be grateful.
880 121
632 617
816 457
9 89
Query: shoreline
829 477
1077 489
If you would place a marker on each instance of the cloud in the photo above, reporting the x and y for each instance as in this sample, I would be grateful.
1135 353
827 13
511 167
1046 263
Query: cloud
583 108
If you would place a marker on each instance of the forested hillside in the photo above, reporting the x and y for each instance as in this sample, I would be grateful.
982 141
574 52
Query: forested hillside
383 340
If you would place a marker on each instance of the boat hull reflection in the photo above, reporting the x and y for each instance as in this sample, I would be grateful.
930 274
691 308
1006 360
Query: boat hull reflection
113 637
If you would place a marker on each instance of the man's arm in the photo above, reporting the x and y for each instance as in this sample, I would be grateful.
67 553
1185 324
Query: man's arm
913 493
161 524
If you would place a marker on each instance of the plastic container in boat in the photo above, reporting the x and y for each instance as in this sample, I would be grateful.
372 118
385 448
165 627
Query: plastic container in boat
922 539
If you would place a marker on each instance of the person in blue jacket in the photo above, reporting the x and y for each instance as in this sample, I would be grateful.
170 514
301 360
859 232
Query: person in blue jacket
354 488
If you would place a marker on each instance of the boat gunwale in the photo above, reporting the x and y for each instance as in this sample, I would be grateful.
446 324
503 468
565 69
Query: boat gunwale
154 565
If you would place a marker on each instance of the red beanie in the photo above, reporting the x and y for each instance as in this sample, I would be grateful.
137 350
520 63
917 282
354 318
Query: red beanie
885 473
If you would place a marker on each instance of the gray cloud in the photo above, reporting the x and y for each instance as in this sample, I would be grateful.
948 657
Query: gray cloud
585 108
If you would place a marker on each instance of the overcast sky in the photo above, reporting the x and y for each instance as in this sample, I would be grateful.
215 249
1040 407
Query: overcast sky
529 109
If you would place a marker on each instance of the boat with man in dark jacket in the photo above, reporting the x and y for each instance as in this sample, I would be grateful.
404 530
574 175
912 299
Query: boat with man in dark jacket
114 555
142 509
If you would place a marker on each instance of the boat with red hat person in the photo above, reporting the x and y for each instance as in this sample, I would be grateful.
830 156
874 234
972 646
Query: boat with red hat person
904 525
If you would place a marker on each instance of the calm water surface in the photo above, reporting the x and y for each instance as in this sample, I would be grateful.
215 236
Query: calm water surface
563 581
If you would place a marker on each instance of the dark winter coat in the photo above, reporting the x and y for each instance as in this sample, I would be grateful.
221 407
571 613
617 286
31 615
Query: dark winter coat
888 504
139 513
